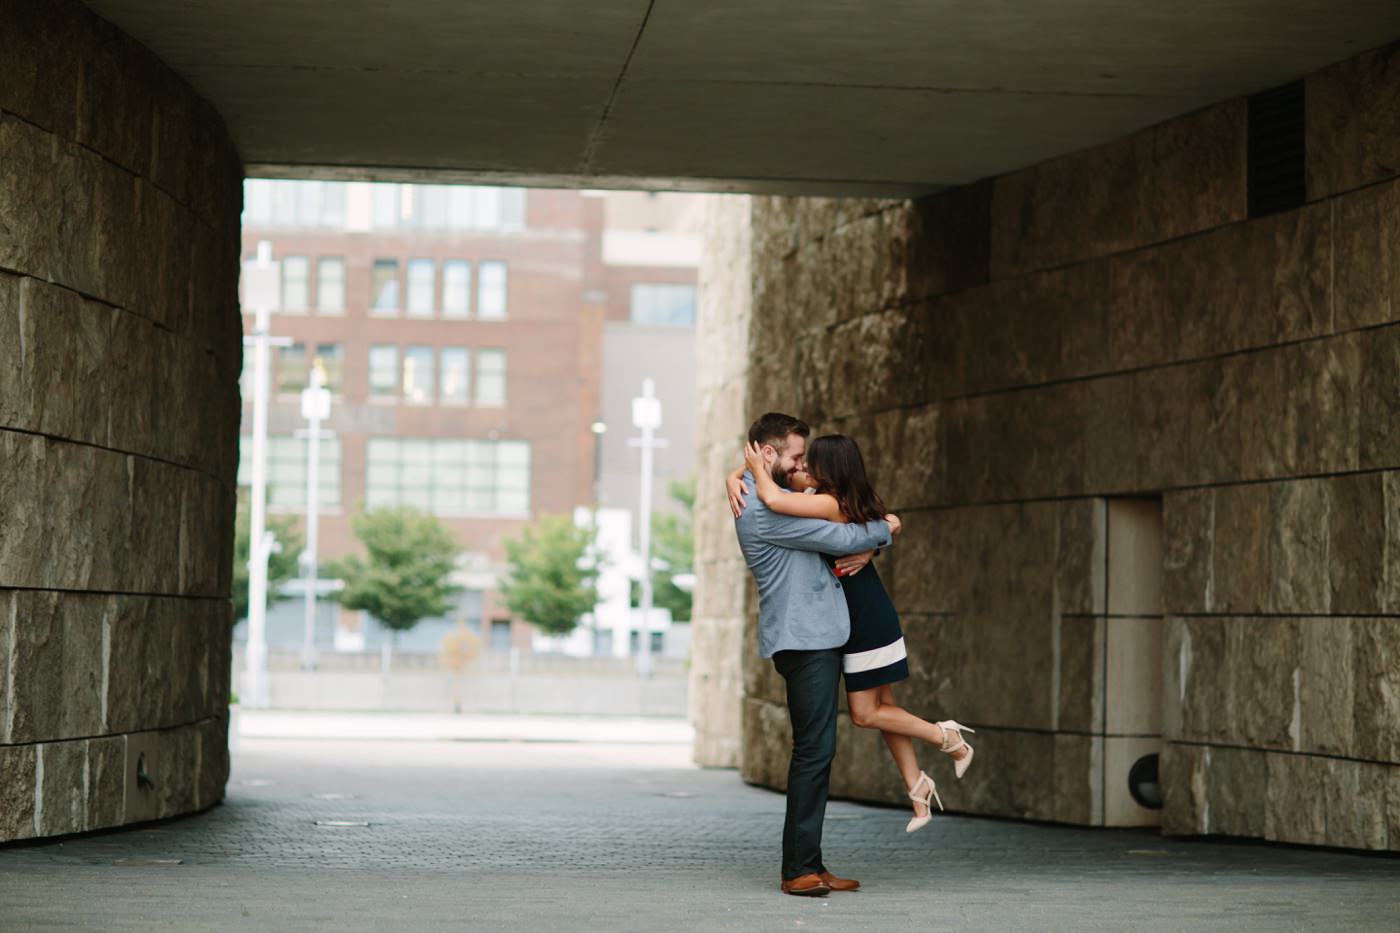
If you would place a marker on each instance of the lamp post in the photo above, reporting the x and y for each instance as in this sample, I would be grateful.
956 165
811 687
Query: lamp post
646 417
315 408
260 290
599 428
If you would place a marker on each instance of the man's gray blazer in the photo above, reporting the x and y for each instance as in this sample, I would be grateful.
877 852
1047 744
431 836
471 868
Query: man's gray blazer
800 603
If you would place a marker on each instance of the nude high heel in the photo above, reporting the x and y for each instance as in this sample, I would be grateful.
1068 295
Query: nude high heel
953 743
919 822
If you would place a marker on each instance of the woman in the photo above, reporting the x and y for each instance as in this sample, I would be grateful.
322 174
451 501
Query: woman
874 657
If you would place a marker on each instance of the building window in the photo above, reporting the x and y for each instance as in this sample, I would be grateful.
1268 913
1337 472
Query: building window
500 636
455 369
456 287
286 471
384 285
296 283
418 374
274 202
491 378
291 368
491 302
421 276
330 284
385 206
383 371
449 477
331 358
667 305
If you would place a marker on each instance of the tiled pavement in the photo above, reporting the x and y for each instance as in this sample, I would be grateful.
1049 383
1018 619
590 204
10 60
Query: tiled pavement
533 836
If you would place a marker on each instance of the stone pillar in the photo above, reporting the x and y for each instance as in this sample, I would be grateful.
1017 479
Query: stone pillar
716 676
120 352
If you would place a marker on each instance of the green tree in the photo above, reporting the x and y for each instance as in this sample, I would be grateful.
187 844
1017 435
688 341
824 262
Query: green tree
552 576
672 552
281 564
403 578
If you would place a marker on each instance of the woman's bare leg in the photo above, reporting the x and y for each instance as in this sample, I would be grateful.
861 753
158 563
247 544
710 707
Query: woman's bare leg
871 710
902 751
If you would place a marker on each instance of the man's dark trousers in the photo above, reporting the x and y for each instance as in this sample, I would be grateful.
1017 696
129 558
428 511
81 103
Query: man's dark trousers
812 679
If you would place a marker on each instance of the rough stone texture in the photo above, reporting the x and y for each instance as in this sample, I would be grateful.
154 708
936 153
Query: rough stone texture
1169 180
64 791
17 796
119 357
1353 125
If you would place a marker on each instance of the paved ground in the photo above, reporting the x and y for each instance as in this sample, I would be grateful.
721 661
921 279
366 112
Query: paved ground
621 837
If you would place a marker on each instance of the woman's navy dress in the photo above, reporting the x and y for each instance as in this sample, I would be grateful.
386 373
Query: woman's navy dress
874 655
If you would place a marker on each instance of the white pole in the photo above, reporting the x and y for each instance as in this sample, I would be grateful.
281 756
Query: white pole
258 545
260 290
646 415
315 406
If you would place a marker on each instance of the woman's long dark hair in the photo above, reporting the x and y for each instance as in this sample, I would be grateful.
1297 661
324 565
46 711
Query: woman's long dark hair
834 461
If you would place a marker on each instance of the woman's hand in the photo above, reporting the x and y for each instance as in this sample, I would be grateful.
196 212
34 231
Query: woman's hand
753 457
734 486
895 524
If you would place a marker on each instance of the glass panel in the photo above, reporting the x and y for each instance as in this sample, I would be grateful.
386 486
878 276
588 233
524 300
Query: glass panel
291 368
454 374
459 207
491 377
513 209
418 374
386 206
488 208
333 204
295 283
456 287
384 285
421 273
257 203
668 305
384 370
330 284
492 300
434 206
332 359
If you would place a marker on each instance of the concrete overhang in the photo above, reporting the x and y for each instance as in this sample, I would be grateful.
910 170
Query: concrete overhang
815 97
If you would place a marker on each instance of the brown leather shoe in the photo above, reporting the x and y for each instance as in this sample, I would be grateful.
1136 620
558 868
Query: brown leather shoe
840 884
808 885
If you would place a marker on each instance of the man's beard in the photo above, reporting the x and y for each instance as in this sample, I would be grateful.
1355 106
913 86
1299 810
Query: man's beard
780 476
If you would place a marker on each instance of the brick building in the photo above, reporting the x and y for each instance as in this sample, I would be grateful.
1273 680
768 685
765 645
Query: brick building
461 333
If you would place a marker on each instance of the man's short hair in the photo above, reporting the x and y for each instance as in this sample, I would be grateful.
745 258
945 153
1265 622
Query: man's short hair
774 427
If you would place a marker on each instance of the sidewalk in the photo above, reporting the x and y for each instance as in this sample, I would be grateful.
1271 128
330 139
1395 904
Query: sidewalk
503 837
292 724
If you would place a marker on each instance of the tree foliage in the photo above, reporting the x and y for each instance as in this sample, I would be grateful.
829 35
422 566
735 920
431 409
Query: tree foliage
281 565
403 578
552 575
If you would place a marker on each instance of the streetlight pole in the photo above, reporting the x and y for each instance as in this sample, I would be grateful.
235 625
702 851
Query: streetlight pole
315 408
646 417
260 281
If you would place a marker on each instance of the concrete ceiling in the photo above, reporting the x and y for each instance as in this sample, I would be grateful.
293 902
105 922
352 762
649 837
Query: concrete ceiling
819 96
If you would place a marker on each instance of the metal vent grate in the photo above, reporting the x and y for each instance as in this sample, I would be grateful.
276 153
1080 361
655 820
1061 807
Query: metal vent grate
1276 150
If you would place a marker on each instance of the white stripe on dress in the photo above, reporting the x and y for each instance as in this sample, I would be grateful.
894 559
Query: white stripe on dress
876 657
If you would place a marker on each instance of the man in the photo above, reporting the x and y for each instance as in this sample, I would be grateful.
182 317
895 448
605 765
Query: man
802 625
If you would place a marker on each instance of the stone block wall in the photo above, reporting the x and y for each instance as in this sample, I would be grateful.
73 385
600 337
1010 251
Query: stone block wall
716 675
120 349
1020 356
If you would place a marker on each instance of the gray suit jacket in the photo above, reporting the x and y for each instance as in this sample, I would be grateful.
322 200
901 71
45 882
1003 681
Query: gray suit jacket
800 603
